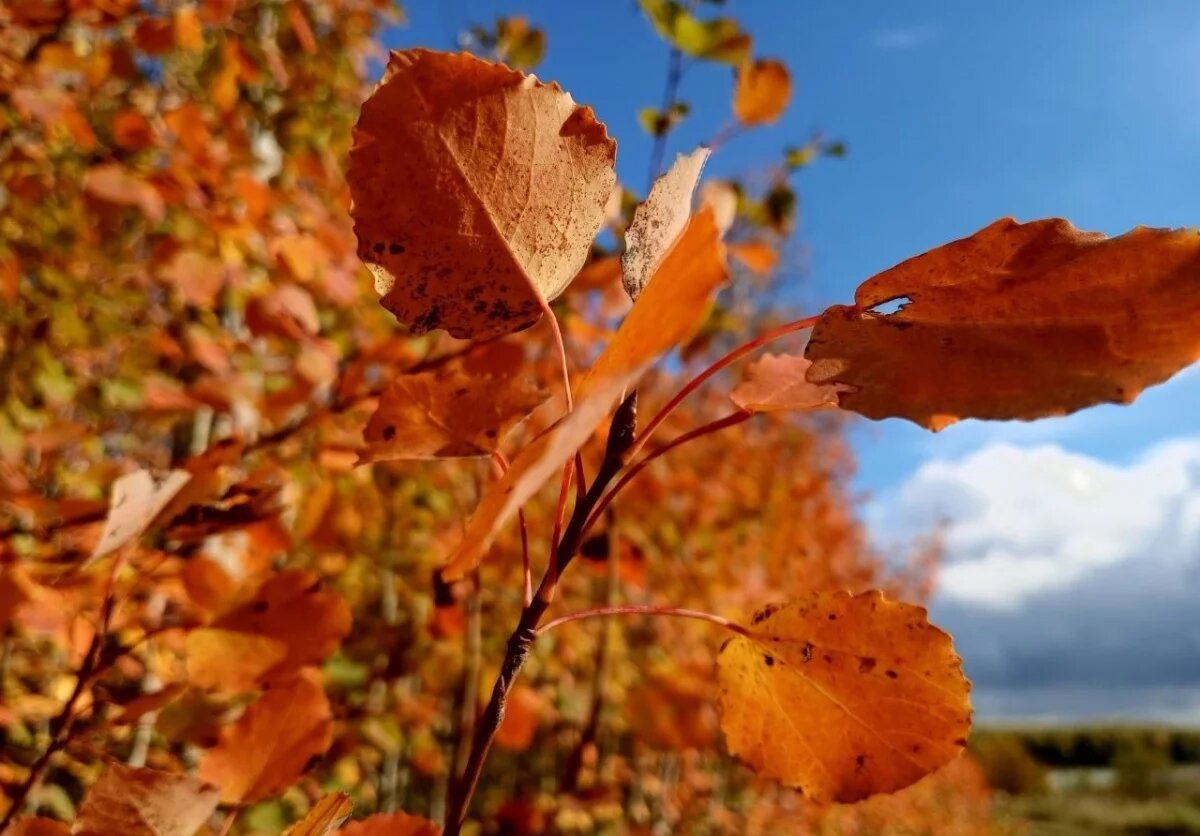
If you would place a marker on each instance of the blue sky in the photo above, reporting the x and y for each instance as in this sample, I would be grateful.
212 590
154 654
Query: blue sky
957 114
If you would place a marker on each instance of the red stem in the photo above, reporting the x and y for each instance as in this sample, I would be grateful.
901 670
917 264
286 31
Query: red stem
732 357
636 609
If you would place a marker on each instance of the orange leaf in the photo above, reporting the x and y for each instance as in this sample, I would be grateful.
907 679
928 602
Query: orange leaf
37 826
463 407
324 816
477 192
290 622
271 745
762 93
776 383
144 802
113 183
843 696
1016 321
670 309
658 221
522 716
136 502
391 824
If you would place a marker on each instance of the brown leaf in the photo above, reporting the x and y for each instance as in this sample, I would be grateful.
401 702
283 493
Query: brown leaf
391 824
290 622
658 221
113 183
843 696
271 745
144 802
673 305
762 93
136 501
776 383
463 407
477 192
1017 321
324 816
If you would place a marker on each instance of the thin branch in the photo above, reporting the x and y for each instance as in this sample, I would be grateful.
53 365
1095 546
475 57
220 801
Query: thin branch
643 609
670 95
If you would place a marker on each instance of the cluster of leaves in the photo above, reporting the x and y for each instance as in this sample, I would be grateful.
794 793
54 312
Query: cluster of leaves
307 637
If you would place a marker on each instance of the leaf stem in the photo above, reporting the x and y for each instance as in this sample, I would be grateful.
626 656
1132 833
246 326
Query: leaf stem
642 609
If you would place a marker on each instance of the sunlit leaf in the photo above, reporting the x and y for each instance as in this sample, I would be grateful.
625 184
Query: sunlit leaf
136 502
843 696
324 816
776 383
1016 321
762 91
477 192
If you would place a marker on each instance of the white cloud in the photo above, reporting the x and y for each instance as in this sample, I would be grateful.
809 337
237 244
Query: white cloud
1027 522
905 37
1069 583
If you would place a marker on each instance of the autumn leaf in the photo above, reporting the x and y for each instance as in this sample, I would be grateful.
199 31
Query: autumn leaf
391 824
324 816
144 802
37 826
522 716
113 183
757 256
137 500
776 383
762 92
477 192
669 311
658 221
290 622
463 407
271 745
1018 321
843 696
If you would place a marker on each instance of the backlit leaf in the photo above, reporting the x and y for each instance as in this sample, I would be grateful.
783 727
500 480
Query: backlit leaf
144 802
658 221
843 696
776 383
672 307
136 502
270 746
477 192
762 92
1017 321
464 407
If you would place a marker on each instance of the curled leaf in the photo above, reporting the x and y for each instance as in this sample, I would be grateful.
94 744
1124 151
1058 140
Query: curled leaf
324 816
843 696
669 311
658 221
477 192
1018 321
137 501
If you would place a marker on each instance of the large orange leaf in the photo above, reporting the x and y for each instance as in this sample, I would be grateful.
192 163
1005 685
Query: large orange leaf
270 746
290 622
464 407
477 192
843 696
667 312
1017 321
144 802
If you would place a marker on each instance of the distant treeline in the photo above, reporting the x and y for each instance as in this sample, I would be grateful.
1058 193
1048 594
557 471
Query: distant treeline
1096 746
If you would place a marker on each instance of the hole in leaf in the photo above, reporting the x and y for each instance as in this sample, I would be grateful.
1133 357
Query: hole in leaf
890 306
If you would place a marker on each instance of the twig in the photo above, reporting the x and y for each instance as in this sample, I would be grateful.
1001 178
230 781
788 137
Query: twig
670 93
640 609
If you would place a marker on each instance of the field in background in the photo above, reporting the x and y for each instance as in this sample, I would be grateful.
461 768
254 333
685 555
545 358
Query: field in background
1098 781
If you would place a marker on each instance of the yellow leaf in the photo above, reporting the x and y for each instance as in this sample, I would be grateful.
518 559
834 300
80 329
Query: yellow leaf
762 93
843 696
477 192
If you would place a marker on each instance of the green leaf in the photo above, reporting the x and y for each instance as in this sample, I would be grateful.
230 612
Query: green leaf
720 39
